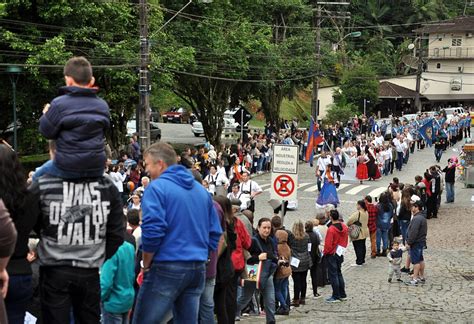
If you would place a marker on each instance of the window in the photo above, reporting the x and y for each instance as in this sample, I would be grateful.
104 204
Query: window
438 65
436 52
460 69
456 41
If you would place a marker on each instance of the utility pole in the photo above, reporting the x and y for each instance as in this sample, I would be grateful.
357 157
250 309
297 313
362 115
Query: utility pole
144 76
317 20
317 57
419 72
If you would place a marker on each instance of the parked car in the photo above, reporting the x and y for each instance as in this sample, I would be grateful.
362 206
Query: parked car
155 130
197 128
450 112
410 117
176 115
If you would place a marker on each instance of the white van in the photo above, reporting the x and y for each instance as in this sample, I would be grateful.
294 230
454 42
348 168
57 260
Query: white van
450 112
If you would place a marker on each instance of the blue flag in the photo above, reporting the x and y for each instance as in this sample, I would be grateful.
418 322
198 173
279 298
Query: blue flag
426 131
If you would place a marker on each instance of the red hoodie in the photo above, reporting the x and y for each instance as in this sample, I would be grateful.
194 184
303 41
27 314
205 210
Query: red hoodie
428 186
243 242
337 234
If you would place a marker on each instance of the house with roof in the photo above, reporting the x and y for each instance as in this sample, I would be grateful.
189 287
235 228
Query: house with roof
448 76
447 79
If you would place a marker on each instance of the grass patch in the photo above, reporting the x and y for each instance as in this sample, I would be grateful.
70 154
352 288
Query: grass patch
36 158
299 107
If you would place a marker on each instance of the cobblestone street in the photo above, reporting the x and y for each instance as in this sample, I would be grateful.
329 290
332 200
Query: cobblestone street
445 297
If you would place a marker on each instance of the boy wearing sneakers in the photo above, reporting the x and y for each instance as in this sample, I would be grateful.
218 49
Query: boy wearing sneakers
77 121
395 259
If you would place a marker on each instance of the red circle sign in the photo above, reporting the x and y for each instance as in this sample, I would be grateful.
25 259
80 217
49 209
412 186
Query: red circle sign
284 185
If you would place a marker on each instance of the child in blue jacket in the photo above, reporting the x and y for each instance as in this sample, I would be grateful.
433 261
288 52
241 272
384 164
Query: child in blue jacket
117 277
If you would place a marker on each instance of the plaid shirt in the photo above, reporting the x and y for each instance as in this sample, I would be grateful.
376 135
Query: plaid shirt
372 211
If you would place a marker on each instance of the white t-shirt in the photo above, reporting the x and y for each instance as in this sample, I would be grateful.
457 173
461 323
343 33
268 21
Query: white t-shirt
323 163
398 145
118 179
379 140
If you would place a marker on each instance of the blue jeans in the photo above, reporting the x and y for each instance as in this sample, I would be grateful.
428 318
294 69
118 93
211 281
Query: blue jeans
404 229
176 286
268 299
260 162
386 168
49 167
449 191
206 303
407 155
381 234
399 161
281 291
416 252
438 154
20 292
335 276
110 318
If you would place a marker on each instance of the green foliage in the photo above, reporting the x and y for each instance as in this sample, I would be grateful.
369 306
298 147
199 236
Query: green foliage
44 34
193 56
340 112
357 84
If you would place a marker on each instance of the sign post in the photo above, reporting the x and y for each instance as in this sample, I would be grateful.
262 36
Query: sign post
242 117
284 174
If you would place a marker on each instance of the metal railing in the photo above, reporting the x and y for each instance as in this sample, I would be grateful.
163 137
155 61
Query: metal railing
451 52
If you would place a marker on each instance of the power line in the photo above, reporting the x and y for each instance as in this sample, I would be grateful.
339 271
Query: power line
118 66
234 80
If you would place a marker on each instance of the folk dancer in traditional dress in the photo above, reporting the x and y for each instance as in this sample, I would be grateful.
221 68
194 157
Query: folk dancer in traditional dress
328 194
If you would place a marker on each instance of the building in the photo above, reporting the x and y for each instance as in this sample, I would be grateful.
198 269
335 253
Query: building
447 79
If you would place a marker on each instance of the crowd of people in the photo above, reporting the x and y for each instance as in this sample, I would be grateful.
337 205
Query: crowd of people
161 236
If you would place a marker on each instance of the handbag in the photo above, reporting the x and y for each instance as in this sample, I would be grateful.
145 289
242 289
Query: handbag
355 228
266 268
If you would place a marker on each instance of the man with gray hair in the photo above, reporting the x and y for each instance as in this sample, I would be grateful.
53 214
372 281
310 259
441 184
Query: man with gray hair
179 229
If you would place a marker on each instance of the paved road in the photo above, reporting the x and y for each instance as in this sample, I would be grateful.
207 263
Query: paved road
350 192
179 133
447 296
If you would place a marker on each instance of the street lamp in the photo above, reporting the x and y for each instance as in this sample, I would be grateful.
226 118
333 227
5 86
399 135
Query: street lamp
353 34
14 72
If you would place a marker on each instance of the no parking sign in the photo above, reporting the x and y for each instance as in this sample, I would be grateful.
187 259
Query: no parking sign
284 172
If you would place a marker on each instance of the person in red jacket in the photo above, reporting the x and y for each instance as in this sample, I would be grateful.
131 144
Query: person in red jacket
335 245
244 241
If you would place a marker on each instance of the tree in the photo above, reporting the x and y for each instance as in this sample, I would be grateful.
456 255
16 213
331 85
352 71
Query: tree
340 112
286 59
221 43
44 34
357 84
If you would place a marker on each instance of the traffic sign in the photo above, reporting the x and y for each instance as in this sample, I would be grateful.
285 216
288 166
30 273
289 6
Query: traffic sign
285 159
239 128
242 116
284 172
284 186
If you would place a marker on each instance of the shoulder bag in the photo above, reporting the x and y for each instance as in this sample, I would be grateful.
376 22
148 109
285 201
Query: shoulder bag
355 228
